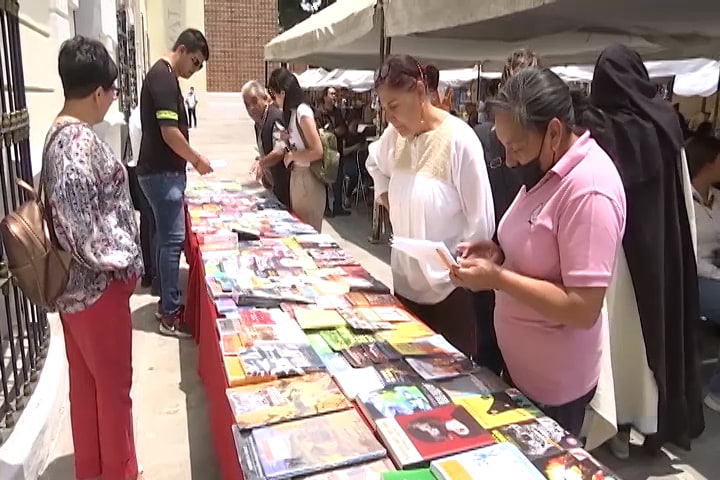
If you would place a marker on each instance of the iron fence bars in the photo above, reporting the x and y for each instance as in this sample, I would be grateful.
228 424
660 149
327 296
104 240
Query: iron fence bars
24 331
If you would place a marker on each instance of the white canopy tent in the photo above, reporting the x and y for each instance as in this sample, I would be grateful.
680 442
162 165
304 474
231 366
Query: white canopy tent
348 34
466 32
311 76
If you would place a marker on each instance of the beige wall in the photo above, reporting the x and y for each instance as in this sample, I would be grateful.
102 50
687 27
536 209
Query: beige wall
166 19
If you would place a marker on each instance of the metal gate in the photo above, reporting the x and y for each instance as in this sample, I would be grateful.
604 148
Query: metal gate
24 332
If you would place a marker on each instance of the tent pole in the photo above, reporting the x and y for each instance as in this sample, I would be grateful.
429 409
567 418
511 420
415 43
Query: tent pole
479 82
717 102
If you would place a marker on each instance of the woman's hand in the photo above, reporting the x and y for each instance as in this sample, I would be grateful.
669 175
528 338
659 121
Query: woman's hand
476 274
485 249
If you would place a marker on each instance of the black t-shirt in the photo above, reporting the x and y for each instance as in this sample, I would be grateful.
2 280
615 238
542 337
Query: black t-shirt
505 182
161 104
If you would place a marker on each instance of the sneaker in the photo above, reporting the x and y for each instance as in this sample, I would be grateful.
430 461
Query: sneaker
712 401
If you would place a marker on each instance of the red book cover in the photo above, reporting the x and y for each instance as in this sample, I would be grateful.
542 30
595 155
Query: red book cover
420 437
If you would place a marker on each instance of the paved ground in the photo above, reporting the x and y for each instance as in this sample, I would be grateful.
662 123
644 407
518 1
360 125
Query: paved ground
172 434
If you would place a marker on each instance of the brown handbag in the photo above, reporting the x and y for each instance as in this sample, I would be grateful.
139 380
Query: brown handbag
39 267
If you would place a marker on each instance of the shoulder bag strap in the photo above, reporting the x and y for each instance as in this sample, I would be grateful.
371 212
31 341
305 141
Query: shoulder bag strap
300 130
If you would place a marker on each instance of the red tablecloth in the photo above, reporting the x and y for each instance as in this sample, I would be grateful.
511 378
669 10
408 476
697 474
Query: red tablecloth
200 314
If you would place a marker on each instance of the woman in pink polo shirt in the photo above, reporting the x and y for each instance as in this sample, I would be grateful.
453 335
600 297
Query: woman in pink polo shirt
557 247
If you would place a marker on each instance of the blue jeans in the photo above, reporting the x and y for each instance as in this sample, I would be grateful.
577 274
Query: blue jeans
166 194
710 309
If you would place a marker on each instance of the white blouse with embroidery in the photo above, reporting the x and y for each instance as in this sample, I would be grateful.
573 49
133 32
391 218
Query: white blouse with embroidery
438 190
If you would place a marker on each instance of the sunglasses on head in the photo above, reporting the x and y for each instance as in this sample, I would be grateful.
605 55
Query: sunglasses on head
382 73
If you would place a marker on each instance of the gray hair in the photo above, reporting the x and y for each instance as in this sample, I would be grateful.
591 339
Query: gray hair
254 88
535 96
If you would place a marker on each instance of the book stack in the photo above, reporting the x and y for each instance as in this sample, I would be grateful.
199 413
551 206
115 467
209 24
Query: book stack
320 358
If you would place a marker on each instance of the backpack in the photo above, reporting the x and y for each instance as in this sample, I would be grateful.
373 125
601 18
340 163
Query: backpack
39 267
326 170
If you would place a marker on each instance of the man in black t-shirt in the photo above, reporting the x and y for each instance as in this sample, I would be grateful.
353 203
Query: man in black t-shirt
164 155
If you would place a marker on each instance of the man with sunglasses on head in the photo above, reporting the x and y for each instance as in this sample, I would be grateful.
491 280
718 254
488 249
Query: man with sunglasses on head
164 155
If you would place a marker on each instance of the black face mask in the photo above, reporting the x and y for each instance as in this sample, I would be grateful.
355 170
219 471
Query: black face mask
532 172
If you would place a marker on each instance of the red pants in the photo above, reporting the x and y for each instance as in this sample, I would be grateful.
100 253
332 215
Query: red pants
98 342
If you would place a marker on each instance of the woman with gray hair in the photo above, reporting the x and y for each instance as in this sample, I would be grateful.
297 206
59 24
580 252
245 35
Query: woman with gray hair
556 248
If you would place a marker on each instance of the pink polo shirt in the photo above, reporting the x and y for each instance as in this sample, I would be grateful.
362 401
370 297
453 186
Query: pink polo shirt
566 230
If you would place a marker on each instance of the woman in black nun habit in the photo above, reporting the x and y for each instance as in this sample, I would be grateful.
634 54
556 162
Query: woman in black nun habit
642 134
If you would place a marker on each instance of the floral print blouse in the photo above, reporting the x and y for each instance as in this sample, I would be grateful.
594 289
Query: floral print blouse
91 212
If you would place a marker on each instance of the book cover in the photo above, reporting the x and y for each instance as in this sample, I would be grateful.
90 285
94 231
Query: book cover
499 461
497 409
414 440
392 401
397 372
405 332
285 399
433 345
415 474
235 373
464 386
247 455
538 438
357 381
335 363
575 464
366 299
441 366
315 444
315 319
366 471
357 356
319 344
360 323
260 326
386 314
280 360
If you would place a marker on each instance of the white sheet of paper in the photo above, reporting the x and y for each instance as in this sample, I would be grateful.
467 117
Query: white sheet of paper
435 254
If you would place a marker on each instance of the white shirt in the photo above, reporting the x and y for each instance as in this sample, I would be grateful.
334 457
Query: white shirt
191 100
303 110
707 220
438 190
135 133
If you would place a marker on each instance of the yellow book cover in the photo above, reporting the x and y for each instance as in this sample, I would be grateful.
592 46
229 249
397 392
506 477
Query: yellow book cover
405 332
236 374
319 319
495 409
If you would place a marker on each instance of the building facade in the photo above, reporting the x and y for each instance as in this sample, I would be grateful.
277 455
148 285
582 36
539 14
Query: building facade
237 31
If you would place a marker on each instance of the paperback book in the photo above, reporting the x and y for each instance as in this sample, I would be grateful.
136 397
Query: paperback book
538 438
285 399
366 299
398 400
433 345
414 474
280 360
441 366
416 439
467 386
576 464
500 408
397 372
316 319
316 444
366 471
502 460
358 381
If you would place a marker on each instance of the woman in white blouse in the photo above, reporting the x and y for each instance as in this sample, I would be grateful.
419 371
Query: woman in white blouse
704 161
307 192
429 171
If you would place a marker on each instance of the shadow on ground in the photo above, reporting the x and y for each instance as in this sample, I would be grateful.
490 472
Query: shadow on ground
60 468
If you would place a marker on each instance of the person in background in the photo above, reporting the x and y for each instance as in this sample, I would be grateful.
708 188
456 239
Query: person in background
330 117
703 155
505 183
268 124
432 75
430 174
705 129
472 113
147 220
684 125
644 139
556 248
164 156
307 193
93 218
191 103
